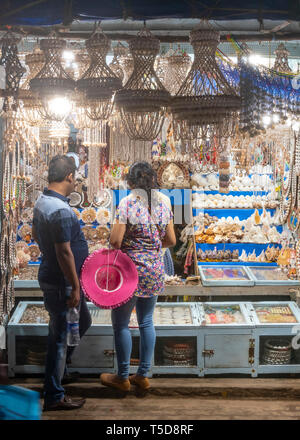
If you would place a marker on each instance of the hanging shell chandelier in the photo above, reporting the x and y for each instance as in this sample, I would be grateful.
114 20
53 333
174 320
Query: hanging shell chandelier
178 65
32 106
52 82
119 51
281 63
143 100
99 82
205 99
13 70
127 66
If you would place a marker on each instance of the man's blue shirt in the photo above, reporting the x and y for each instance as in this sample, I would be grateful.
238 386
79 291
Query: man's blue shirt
56 222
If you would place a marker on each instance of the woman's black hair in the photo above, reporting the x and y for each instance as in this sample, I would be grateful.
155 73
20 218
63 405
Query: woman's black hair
141 175
60 167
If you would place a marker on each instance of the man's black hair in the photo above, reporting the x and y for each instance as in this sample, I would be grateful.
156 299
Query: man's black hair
60 167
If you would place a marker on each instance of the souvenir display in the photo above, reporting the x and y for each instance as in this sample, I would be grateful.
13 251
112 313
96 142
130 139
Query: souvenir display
173 280
75 199
271 275
78 213
35 314
173 175
220 139
172 315
25 232
103 216
226 275
88 215
178 354
275 314
230 314
277 352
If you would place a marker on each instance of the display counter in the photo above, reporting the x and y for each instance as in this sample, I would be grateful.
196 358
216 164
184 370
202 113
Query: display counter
192 338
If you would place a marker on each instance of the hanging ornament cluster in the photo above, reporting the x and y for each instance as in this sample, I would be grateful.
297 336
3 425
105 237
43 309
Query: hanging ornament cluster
13 68
290 190
266 94
143 99
19 147
281 63
52 85
99 82
205 101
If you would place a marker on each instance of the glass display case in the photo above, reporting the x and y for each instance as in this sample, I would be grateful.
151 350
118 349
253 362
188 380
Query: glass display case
276 325
275 313
265 275
227 338
225 276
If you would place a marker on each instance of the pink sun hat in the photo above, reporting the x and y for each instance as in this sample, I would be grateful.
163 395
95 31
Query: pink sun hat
109 278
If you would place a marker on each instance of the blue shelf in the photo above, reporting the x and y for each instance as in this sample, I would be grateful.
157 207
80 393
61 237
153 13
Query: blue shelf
242 214
248 247
233 193
177 196
235 263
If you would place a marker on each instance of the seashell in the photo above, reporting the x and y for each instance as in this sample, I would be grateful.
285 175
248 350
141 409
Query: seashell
243 256
252 257
261 258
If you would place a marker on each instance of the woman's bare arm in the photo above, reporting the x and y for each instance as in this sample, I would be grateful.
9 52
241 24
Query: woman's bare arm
170 237
117 235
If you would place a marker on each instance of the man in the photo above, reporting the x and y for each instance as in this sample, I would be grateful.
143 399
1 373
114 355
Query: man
64 249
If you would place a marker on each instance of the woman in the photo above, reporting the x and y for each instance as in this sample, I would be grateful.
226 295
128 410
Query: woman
141 230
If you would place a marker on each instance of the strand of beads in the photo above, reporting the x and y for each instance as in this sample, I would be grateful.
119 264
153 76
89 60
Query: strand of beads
6 186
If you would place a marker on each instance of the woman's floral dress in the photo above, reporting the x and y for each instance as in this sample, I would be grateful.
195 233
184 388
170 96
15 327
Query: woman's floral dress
142 241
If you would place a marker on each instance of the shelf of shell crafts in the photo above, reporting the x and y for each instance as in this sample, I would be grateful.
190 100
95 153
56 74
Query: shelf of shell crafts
241 227
94 224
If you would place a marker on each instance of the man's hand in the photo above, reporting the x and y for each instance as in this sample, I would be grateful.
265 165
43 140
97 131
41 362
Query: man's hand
74 299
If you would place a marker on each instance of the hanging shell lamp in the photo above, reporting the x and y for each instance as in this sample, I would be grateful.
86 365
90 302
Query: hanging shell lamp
143 100
127 66
205 98
178 65
99 83
32 105
52 84
119 51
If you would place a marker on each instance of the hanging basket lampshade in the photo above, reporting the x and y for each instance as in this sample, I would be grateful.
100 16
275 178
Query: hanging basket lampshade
32 105
205 99
127 66
99 82
143 100
178 65
119 51
52 84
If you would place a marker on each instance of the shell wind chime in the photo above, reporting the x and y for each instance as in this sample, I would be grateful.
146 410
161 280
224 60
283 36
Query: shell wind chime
143 100
205 102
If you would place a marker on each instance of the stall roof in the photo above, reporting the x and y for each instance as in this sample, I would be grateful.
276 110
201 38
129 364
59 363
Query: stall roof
51 12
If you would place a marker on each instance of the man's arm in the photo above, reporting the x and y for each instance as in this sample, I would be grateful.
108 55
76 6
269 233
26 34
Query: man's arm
66 262
34 234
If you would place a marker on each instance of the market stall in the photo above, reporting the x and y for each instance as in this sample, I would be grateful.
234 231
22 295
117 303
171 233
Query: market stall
226 152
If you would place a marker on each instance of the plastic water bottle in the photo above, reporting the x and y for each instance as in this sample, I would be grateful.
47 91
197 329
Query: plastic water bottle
73 337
